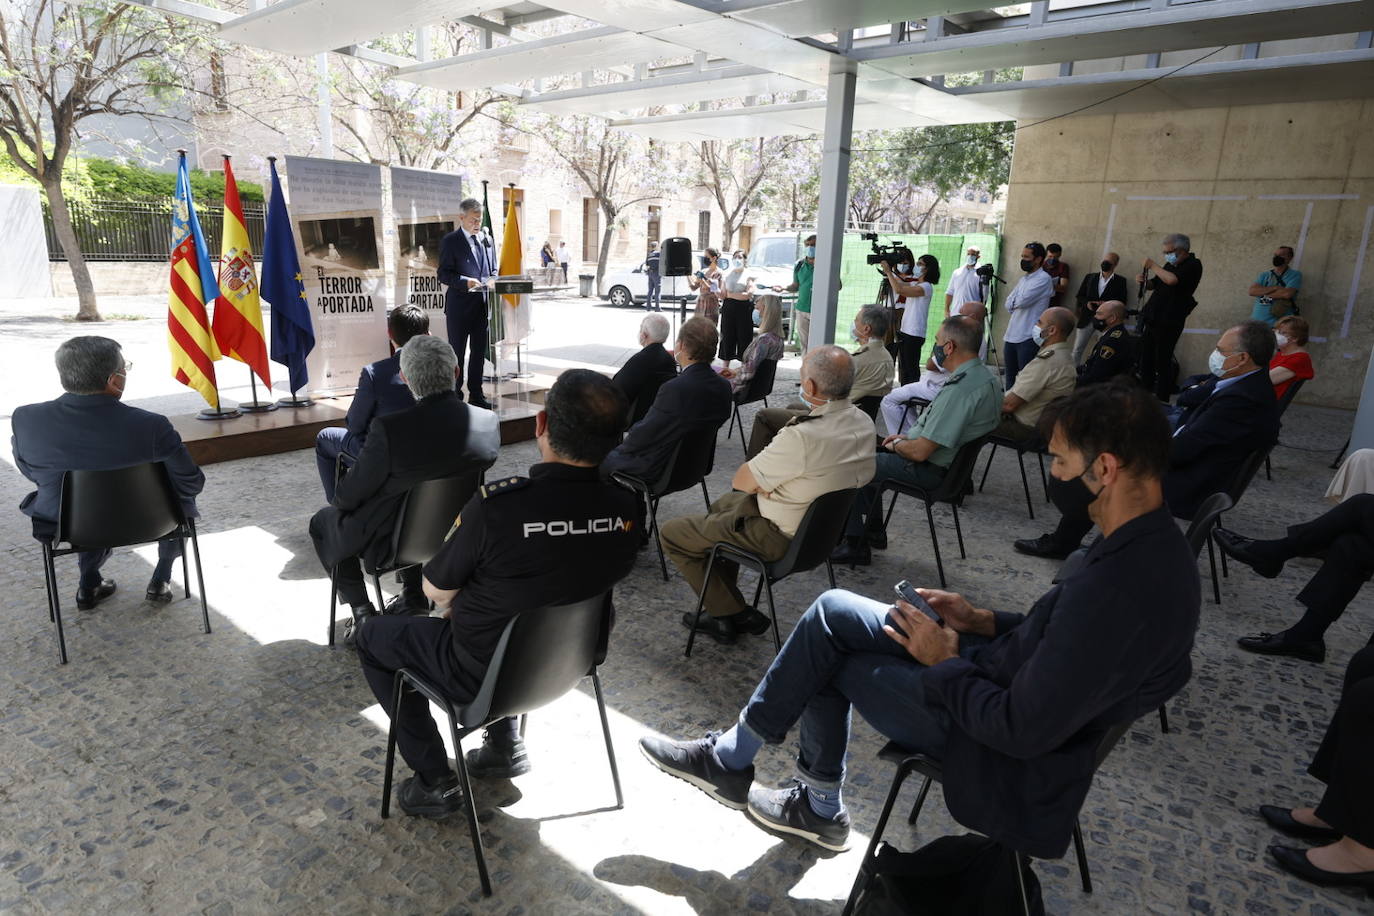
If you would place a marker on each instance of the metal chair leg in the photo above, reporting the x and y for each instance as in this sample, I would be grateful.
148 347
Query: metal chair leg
935 542
381 598
655 534
606 731
958 531
1021 882
830 571
1044 481
701 602
860 880
54 603
891 504
1082 858
1164 720
200 579
730 426
398 686
1025 484
987 467
706 497
470 803
333 600
1212 562
185 572
920 801
773 612
1268 471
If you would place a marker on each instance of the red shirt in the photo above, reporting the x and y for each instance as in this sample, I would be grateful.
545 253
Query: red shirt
1298 362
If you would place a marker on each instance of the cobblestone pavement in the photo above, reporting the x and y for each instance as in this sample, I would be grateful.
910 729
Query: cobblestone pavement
169 771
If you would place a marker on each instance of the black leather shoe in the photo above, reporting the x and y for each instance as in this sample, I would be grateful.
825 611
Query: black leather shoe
420 800
853 552
721 629
88 598
1242 548
1282 819
1279 644
877 539
1295 861
360 613
752 621
480 402
406 604
158 592
1044 546
499 757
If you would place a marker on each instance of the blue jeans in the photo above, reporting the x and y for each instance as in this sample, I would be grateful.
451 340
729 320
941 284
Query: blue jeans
328 444
838 657
1015 356
653 299
869 505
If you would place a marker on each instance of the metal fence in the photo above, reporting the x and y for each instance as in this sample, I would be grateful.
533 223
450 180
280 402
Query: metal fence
140 230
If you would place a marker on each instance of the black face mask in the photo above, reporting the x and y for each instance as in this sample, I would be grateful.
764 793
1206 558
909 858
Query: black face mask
1099 324
1027 265
1072 497
1279 261
1108 267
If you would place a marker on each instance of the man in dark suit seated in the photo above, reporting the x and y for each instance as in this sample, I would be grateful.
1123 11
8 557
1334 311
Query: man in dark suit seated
696 400
439 437
1235 415
644 372
466 265
381 391
88 429
1013 706
558 536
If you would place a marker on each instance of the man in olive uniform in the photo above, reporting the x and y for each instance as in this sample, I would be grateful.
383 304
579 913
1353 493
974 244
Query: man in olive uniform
556 537
967 406
1114 353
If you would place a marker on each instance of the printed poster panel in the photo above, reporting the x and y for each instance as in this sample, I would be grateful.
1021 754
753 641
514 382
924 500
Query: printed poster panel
425 205
337 208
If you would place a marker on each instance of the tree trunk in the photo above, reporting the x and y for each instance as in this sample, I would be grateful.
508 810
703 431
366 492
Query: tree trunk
925 217
609 216
76 261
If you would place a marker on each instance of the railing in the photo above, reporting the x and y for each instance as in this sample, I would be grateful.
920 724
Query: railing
140 230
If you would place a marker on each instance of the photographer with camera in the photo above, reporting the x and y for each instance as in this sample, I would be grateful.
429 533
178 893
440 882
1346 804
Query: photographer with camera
914 298
1028 298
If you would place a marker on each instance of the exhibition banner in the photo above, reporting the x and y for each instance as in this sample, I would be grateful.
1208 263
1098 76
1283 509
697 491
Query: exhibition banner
337 209
425 205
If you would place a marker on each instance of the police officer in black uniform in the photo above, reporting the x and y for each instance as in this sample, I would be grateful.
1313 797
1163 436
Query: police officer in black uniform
555 537
1115 351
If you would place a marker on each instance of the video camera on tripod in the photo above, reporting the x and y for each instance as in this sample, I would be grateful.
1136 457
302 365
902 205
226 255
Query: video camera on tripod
891 255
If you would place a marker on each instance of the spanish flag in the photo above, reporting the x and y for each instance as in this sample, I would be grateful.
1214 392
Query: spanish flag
193 287
238 311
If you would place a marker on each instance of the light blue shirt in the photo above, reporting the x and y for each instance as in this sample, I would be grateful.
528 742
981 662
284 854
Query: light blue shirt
1027 300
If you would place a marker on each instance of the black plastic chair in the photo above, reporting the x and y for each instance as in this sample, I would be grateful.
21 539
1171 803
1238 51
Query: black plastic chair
916 404
958 479
689 464
1200 534
99 510
869 404
542 655
816 537
1284 401
909 762
424 521
645 399
759 387
1239 484
1020 447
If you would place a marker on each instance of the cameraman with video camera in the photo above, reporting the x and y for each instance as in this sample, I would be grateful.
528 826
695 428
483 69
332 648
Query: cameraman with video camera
913 297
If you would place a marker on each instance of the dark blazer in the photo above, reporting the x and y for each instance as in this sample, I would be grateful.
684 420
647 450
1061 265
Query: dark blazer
437 437
1214 438
94 432
456 261
697 399
643 374
381 391
1027 710
1116 289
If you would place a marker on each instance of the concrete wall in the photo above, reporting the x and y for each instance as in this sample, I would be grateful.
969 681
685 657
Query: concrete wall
114 278
1121 182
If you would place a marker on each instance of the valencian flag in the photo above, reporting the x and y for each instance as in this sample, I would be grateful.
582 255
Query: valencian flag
293 336
193 287
238 311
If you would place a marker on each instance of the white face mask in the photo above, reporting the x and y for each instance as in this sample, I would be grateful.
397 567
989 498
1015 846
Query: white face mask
1216 362
1281 340
1037 335
971 260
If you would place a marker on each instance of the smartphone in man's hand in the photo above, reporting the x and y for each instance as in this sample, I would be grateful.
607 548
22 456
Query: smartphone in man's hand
907 592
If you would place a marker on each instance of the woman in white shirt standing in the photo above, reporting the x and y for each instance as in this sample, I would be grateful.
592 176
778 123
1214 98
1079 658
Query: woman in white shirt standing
918 292
736 310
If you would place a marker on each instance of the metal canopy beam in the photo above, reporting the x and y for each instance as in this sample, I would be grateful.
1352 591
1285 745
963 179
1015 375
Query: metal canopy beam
304 27
681 88
799 18
571 52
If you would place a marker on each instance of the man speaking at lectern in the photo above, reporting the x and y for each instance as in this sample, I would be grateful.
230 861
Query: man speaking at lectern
466 263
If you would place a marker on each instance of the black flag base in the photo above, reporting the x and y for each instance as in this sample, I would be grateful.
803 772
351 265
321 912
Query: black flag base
294 401
257 406
219 413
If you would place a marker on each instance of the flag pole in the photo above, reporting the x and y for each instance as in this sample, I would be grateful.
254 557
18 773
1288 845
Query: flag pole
255 406
221 412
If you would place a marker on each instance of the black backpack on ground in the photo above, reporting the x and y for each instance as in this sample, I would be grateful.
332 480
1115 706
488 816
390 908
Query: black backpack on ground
967 875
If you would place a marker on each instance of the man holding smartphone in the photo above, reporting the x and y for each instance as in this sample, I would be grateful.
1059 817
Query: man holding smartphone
1013 705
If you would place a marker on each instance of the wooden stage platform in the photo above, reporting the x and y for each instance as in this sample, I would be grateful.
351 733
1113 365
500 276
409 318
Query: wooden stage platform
287 429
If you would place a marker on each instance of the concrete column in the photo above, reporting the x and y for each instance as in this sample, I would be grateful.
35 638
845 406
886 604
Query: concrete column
839 127
1363 434
325 106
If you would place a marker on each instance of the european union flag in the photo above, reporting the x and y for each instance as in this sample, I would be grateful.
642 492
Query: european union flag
293 336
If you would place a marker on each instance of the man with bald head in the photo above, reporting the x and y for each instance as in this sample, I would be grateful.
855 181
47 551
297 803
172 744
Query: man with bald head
1114 353
1049 375
933 377
831 448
